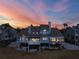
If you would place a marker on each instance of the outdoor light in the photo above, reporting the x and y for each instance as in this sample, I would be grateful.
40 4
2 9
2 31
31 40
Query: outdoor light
44 30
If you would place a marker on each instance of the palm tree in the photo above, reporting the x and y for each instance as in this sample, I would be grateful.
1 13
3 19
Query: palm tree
65 25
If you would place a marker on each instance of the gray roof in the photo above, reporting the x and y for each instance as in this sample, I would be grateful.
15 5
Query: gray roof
56 33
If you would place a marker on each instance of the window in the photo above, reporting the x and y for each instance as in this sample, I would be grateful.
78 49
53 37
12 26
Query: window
35 39
44 38
33 32
36 32
44 31
60 39
53 39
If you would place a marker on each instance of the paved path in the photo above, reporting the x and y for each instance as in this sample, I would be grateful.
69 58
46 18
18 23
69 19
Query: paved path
13 44
70 46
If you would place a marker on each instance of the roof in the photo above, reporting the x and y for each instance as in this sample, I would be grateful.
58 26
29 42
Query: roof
56 33
71 31
44 27
35 28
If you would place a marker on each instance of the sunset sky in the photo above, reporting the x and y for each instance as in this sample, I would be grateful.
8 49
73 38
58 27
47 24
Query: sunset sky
22 13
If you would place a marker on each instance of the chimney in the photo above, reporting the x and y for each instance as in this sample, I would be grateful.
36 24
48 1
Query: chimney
30 29
49 24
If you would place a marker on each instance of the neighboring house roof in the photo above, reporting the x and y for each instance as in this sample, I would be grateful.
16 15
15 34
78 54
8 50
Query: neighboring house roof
8 32
71 31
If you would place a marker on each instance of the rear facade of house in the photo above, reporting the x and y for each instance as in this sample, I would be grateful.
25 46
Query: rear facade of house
40 37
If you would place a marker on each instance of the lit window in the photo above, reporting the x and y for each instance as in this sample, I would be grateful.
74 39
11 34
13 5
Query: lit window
35 39
60 39
33 32
45 38
53 39
36 32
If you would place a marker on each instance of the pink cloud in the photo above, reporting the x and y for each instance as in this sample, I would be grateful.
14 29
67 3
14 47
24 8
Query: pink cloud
60 6
17 13
40 6
20 14
72 21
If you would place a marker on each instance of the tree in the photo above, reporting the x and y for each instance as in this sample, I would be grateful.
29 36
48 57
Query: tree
65 25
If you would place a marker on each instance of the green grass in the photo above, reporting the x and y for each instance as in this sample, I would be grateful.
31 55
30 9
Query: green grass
11 53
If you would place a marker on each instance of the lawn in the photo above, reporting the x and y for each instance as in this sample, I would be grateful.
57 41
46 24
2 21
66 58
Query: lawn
11 53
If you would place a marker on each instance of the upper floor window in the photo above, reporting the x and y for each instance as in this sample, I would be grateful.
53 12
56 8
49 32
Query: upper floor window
44 31
35 32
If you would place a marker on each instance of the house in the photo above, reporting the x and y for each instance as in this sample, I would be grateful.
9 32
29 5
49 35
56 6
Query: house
71 35
30 38
44 35
34 38
39 37
22 43
8 34
56 38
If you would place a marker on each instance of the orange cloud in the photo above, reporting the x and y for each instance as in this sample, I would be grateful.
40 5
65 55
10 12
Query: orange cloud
20 16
